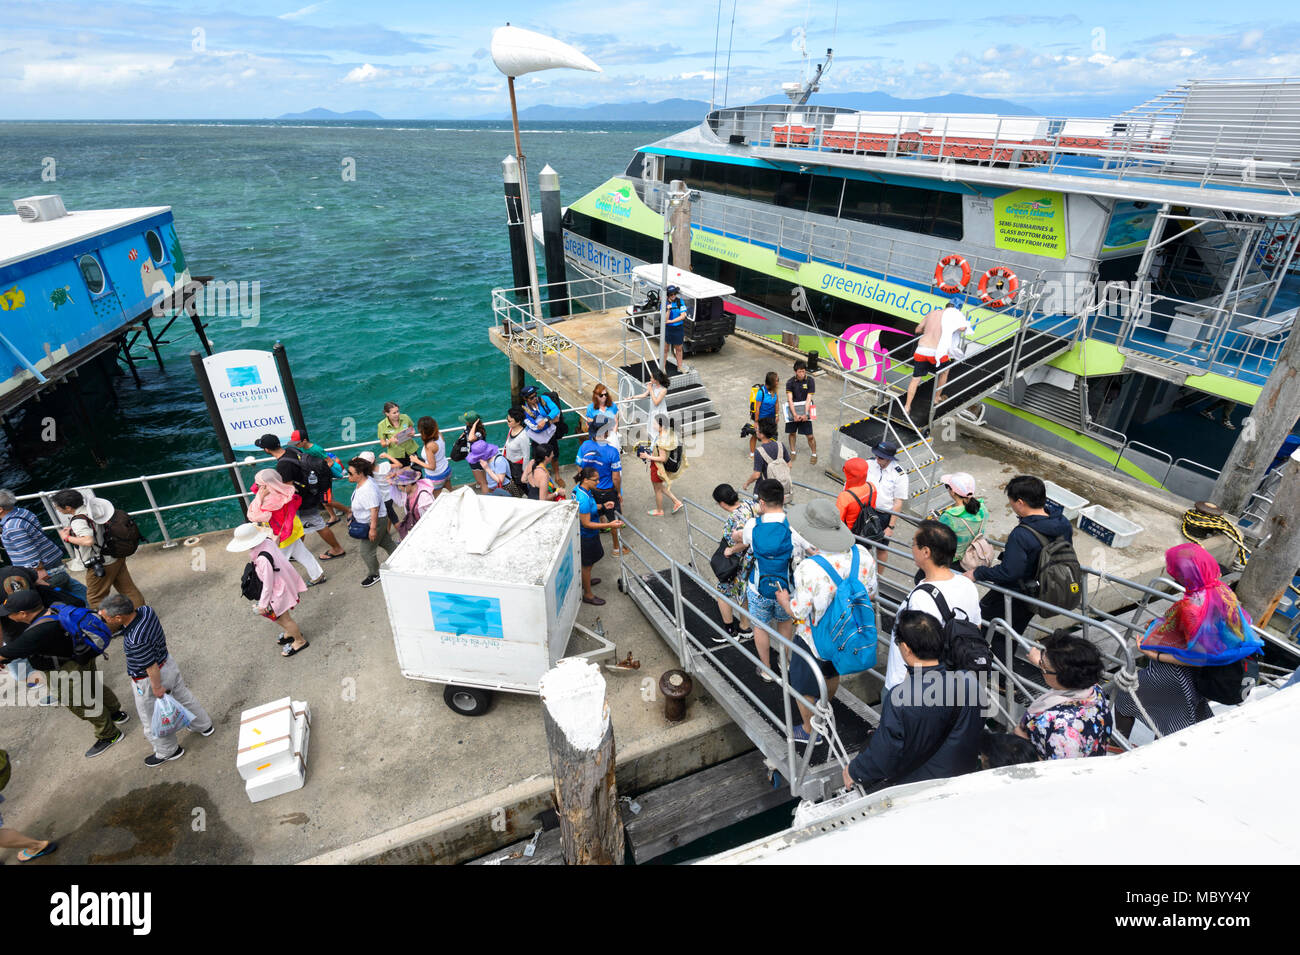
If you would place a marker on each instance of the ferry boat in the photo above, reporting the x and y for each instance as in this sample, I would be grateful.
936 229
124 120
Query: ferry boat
1127 278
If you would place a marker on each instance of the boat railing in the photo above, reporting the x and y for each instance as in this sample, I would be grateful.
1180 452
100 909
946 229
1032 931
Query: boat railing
1253 143
873 251
1201 336
692 651
147 486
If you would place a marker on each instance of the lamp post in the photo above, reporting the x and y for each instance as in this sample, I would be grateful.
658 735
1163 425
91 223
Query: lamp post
516 52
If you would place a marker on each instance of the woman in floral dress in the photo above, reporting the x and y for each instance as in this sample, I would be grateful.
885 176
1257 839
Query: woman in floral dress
738 514
1073 718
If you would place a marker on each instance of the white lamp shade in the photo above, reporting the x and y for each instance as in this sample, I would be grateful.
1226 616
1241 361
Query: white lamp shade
516 52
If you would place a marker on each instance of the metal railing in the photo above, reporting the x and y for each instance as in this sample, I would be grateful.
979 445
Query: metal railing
692 652
146 484
1231 146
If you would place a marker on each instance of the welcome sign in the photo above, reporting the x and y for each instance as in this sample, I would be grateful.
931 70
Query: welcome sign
250 397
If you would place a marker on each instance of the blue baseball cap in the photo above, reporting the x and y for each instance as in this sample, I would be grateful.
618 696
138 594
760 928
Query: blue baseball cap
956 301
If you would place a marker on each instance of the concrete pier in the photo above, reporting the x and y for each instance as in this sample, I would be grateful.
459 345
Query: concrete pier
393 774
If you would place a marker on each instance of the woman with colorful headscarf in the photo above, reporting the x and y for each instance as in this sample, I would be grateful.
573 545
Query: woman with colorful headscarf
275 505
1206 627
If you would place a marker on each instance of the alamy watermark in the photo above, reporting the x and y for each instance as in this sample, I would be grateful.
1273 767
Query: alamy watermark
214 299
83 688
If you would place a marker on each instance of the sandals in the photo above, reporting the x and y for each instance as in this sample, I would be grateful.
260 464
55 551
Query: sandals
328 556
290 651
26 855
679 507
333 522
655 513
285 638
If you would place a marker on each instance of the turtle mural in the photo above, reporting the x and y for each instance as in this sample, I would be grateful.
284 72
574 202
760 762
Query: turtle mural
61 296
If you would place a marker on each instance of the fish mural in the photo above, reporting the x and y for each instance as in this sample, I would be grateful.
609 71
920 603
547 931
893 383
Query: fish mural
12 299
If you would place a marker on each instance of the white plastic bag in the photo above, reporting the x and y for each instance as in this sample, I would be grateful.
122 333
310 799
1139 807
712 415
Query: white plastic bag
169 716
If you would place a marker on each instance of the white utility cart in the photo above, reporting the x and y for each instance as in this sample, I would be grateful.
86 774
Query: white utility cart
483 595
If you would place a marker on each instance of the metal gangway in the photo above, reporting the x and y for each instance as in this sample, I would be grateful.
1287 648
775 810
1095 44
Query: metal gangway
681 602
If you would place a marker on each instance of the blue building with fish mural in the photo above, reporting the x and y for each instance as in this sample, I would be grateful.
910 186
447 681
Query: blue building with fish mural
77 285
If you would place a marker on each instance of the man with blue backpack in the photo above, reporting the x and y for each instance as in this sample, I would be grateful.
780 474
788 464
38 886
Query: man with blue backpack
775 547
831 603
65 640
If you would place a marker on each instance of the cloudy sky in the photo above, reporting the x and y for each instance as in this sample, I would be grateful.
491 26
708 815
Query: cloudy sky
158 59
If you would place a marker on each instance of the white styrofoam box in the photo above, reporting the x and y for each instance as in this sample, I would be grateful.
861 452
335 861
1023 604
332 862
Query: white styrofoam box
266 744
292 776
498 619
1071 503
1108 527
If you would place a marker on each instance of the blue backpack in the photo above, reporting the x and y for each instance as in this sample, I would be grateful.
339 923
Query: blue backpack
845 635
90 634
773 547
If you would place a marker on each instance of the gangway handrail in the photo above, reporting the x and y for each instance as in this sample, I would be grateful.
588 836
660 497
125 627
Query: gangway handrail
796 769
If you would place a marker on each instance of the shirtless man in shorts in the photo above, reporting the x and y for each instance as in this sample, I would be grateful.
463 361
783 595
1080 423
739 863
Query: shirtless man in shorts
932 352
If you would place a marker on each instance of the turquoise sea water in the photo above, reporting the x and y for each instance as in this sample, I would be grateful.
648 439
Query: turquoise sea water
379 288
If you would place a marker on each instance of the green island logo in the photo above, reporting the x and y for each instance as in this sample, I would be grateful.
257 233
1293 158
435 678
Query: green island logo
1042 206
617 202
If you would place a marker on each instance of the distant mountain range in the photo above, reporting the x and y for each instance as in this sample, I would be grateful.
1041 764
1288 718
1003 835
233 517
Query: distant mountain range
694 110
949 103
322 113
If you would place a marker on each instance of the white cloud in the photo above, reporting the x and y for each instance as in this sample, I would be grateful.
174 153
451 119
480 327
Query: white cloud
305 11
362 74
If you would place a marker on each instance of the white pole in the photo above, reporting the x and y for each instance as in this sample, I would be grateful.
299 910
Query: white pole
534 294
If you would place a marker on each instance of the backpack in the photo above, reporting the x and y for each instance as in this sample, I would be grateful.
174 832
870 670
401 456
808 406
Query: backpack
778 469
868 523
314 477
90 634
845 634
674 462
460 447
753 400
250 585
561 426
1058 572
773 555
121 535
1229 682
964 646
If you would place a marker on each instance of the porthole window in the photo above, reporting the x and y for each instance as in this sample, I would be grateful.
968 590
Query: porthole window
92 273
155 246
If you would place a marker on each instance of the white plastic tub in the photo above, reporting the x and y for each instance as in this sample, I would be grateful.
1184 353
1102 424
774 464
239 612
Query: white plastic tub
1108 527
1071 503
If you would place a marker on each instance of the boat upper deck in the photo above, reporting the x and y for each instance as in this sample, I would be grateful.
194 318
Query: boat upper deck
1236 140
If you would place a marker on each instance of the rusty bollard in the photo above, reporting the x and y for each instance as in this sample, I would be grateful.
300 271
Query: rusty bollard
675 685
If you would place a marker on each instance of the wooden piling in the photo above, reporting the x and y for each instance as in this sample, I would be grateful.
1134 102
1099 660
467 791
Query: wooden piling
580 739
1272 564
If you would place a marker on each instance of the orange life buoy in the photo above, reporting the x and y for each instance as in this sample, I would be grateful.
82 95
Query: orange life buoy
1006 284
946 261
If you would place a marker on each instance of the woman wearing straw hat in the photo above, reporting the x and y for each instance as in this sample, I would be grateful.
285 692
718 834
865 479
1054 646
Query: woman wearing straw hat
281 585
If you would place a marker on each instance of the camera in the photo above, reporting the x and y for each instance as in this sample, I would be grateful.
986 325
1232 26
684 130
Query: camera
748 430
643 449
95 565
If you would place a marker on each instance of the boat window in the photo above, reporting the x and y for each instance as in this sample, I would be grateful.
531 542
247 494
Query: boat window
763 184
737 180
92 272
155 246
792 189
861 200
824 196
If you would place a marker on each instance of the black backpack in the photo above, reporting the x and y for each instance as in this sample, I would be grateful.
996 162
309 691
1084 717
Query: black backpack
1227 683
250 585
964 646
460 447
121 535
868 524
315 476
673 463
561 426
1058 572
